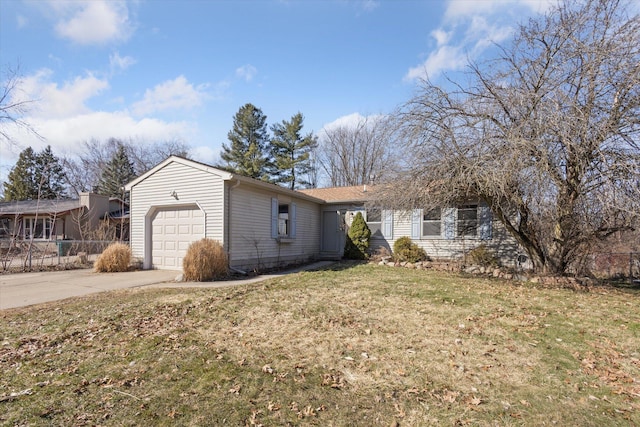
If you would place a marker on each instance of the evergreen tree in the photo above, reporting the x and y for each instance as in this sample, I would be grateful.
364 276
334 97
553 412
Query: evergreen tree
249 138
118 171
35 176
291 153
49 175
358 239
20 184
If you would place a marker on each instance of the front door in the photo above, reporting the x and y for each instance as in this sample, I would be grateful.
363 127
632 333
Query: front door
332 233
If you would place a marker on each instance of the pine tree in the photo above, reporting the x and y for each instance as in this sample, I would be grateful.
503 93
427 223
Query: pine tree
291 153
20 184
118 171
35 176
49 175
249 139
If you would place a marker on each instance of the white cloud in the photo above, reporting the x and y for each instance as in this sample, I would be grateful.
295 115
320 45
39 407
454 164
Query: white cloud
486 34
445 58
457 9
205 154
352 120
65 135
460 9
64 120
92 22
120 63
246 72
468 29
172 94
441 36
54 101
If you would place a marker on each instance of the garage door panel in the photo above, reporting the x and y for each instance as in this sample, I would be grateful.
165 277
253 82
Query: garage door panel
174 229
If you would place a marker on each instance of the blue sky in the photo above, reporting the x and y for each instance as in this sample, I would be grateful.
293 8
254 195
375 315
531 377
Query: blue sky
157 70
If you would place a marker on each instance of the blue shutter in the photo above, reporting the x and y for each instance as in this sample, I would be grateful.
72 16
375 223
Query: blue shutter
274 218
486 217
449 222
415 224
292 220
387 224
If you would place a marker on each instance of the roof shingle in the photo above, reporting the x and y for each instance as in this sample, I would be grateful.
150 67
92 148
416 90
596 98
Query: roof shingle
356 193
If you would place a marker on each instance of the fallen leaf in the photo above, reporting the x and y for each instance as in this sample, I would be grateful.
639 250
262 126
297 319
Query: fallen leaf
475 401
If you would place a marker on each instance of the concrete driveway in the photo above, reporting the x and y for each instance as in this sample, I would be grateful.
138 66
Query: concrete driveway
23 289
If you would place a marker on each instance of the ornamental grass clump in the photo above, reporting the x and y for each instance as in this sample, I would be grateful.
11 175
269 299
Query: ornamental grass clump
205 260
114 259
404 249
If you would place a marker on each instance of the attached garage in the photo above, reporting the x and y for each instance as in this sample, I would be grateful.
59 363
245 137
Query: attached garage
180 201
172 231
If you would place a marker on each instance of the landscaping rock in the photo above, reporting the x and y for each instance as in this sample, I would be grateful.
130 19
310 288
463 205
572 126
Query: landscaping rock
472 269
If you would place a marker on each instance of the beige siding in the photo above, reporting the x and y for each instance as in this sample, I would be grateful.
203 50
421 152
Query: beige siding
439 248
251 244
191 186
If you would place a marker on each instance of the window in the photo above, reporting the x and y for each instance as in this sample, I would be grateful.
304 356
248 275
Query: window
431 223
283 220
37 228
5 227
374 222
467 224
470 220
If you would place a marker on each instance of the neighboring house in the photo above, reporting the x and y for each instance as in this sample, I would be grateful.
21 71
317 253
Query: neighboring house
48 220
264 225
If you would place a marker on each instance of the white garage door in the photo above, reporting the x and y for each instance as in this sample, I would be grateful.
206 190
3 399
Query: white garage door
173 230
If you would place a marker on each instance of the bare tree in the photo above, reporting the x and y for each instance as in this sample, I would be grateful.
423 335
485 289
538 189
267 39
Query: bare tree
13 107
546 133
84 171
145 156
357 154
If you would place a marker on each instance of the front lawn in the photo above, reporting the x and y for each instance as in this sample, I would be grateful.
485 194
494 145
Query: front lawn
352 345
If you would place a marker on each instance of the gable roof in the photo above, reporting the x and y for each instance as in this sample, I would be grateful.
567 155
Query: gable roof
177 159
41 207
227 176
355 193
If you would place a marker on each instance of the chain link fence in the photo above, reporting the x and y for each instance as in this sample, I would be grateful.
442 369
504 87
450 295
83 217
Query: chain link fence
44 255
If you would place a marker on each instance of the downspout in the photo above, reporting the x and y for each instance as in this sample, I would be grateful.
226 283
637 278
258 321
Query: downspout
228 220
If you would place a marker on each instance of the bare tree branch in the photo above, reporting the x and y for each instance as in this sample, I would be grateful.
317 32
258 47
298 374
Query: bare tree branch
547 133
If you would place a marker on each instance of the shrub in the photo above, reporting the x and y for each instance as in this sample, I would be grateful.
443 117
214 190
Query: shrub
482 256
114 259
405 250
351 251
206 259
357 239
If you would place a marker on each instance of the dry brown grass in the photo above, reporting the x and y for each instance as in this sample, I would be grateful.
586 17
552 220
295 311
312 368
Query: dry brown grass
205 260
114 259
349 346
